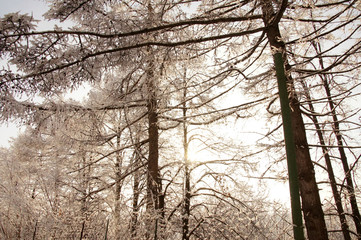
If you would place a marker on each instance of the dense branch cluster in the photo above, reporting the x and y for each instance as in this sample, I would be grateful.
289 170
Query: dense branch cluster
180 117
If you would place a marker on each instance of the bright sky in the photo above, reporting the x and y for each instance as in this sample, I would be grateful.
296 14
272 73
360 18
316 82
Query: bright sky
35 8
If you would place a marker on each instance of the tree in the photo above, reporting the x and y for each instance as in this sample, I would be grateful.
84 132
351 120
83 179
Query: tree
326 66
297 147
331 175
140 49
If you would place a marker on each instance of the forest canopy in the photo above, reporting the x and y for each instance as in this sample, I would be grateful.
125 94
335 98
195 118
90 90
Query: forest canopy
193 110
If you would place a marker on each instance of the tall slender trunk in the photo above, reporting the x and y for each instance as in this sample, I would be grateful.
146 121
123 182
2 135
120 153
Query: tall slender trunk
187 190
35 229
135 210
118 186
153 178
136 191
85 189
56 201
349 182
82 230
155 201
336 195
311 203
336 130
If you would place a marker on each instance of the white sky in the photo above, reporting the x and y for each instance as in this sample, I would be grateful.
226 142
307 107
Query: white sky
33 7
36 8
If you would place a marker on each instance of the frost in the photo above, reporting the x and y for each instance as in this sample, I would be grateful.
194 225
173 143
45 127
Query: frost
178 130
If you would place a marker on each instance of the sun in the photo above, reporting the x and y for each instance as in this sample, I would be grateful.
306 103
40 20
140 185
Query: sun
196 154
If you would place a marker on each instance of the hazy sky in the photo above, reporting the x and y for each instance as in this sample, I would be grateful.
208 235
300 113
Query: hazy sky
35 8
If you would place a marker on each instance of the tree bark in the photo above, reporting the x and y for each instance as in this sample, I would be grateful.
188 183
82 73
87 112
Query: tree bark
311 203
336 130
155 201
155 198
153 178
136 193
336 195
118 186
349 183
187 190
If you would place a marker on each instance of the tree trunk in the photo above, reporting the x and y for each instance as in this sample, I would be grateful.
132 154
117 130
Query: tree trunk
135 206
331 175
336 130
82 230
349 183
187 190
153 178
135 209
311 203
35 228
153 175
85 189
118 187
